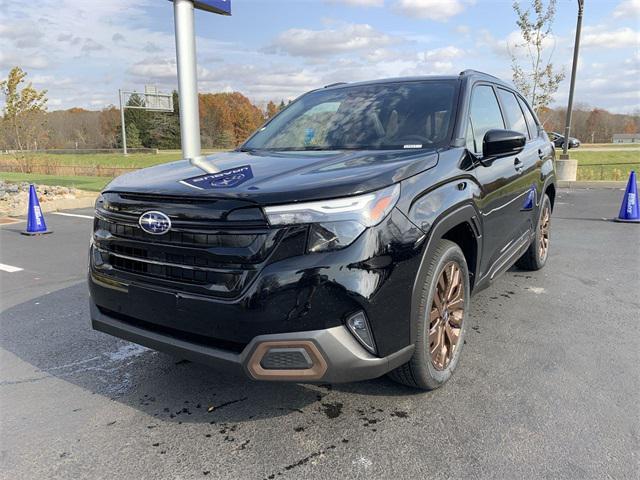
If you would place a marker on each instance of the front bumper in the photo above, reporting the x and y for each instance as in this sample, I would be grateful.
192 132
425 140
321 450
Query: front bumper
334 355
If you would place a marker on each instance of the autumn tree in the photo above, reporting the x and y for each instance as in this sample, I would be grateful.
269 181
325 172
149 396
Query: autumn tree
272 109
227 119
533 71
109 120
629 126
24 109
595 125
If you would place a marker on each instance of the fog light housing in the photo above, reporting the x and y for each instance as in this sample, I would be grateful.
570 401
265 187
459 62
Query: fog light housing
358 325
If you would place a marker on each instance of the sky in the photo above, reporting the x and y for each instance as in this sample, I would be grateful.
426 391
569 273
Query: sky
83 51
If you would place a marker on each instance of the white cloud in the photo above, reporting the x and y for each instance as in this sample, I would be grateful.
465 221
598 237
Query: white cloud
154 68
621 38
318 43
359 3
440 10
445 53
627 8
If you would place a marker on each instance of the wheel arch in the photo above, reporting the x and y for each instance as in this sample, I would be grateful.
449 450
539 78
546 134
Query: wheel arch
550 190
460 226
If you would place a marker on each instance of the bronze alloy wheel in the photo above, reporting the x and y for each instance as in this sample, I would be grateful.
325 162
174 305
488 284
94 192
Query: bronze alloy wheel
446 316
543 246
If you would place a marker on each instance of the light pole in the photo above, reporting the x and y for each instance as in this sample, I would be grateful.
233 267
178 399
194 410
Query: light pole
187 78
187 74
124 130
574 68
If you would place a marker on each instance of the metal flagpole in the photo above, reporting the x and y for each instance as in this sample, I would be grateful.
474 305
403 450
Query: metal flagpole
187 78
124 130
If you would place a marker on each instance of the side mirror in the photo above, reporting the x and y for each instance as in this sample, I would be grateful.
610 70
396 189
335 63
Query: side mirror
502 143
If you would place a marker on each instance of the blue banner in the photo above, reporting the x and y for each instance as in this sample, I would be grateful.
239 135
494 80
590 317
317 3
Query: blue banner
222 7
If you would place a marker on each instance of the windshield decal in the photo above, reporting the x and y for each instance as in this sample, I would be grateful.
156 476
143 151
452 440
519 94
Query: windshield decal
225 179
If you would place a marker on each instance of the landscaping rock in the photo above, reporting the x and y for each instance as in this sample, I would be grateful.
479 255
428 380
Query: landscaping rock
14 198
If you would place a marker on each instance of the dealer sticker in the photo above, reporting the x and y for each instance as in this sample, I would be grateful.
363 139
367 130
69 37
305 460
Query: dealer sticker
225 179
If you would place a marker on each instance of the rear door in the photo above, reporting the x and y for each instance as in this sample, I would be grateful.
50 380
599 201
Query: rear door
528 161
502 190
544 149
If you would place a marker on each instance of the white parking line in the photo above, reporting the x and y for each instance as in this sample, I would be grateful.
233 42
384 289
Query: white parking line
72 215
9 268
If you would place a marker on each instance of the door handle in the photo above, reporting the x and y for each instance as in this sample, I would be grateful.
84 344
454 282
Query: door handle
540 154
517 163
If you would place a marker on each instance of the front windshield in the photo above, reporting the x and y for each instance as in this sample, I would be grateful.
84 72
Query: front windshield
402 115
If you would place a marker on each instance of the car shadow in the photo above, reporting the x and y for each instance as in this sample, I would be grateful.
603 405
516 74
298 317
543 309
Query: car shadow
53 334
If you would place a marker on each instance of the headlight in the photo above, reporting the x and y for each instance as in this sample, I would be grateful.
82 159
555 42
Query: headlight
99 201
336 223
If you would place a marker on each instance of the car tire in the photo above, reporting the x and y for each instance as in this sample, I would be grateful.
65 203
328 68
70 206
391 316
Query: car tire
427 370
536 255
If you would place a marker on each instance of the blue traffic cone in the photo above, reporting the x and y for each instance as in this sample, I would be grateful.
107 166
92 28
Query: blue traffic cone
629 210
35 220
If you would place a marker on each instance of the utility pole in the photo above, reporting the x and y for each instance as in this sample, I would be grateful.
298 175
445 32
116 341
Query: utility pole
124 130
574 68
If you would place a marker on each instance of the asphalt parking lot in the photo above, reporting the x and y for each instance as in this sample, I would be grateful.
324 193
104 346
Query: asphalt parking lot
548 385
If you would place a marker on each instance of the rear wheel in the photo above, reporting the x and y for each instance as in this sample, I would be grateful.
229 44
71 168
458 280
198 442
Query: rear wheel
441 326
536 255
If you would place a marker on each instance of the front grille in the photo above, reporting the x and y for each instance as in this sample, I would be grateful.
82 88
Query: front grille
226 282
199 255
188 239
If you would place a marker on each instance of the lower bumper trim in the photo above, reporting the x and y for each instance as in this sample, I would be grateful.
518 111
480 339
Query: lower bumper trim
337 356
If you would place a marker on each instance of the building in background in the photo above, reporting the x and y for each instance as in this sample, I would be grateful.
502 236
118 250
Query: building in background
626 138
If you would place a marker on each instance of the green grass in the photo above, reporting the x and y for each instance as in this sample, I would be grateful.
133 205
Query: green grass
611 145
134 160
590 158
605 165
589 166
92 184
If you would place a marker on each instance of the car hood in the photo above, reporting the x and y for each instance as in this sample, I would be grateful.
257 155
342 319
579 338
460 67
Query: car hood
277 177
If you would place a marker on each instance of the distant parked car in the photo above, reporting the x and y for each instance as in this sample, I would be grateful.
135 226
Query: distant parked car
558 140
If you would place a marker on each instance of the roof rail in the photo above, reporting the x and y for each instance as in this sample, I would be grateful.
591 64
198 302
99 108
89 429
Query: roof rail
470 71
334 84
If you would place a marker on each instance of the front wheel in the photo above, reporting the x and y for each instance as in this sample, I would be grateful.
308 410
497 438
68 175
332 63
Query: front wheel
441 325
536 255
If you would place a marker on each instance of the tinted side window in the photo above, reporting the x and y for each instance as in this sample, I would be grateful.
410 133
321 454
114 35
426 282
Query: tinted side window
531 122
485 114
513 112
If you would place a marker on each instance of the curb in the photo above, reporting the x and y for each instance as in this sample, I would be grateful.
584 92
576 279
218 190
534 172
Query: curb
595 184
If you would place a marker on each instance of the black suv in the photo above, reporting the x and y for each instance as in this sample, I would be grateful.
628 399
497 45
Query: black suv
341 242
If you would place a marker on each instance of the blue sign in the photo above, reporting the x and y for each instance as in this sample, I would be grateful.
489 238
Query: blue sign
222 7
225 179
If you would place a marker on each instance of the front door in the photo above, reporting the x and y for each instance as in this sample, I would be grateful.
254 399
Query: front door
504 187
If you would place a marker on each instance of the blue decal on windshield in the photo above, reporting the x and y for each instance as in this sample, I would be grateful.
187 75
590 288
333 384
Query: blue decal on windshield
225 179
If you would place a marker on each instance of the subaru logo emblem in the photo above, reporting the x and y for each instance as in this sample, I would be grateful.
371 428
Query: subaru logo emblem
155 223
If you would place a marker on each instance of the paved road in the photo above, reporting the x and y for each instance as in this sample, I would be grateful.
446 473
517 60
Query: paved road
548 385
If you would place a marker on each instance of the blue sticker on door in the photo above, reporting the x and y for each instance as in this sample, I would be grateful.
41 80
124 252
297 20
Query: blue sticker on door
225 179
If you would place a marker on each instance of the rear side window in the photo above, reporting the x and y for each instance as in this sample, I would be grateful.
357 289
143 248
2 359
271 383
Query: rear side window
531 122
513 112
485 116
